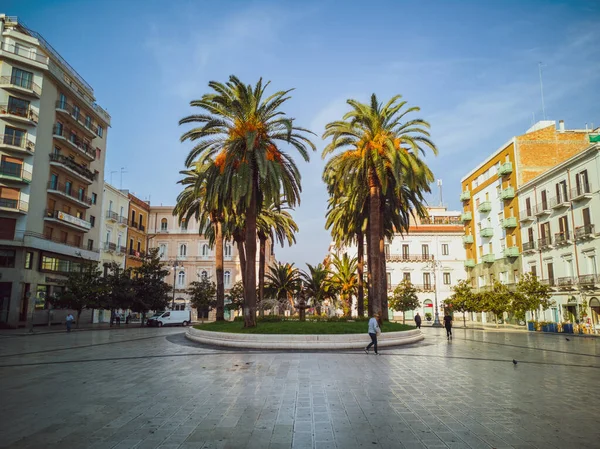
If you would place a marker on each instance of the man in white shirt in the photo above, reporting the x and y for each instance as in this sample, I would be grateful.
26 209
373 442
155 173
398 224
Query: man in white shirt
69 320
373 331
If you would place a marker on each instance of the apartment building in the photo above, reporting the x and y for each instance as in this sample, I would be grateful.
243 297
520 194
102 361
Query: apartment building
430 255
52 151
189 255
490 198
115 205
559 212
137 236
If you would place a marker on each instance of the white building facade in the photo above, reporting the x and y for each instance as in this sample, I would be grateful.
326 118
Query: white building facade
559 211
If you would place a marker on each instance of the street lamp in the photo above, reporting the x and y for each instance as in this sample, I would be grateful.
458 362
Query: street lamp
175 265
436 319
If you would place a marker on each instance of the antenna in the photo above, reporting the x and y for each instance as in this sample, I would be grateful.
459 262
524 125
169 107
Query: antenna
111 173
533 116
439 183
123 170
540 65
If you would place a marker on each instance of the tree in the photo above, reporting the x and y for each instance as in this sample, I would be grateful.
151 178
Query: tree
150 291
497 300
283 282
241 131
317 283
82 290
345 281
118 292
382 152
462 299
404 298
235 297
202 295
530 296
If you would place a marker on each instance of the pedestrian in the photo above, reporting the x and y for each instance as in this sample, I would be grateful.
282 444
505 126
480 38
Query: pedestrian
448 325
69 320
118 319
373 331
418 320
128 318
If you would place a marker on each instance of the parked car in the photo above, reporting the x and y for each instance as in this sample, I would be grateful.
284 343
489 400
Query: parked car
171 318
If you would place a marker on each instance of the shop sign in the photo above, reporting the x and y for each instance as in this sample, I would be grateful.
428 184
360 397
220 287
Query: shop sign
73 220
50 280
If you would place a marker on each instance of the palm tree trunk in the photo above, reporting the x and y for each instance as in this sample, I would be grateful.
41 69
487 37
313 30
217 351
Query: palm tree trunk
250 283
360 299
242 255
369 271
219 271
262 260
374 231
385 316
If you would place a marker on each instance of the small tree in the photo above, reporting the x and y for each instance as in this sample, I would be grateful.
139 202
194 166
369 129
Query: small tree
530 296
234 300
497 300
151 292
404 298
118 290
203 295
83 290
462 299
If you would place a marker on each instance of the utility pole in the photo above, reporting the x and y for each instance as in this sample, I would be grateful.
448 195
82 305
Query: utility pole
123 170
542 90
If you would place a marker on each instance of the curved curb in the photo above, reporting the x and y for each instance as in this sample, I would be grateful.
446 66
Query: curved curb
298 341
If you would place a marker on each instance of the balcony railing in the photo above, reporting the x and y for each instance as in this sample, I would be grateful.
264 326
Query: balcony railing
584 231
488 258
439 220
562 238
76 115
24 53
15 171
467 216
559 201
470 263
487 232
109 247
19 205
26 113
580 192
549 282
511 251
17 141
526 215
545 242
75 243
529 246
81 144
505 169
408 257
141 227
138 254
467 239
424 287
486 206
68 162
69 191
542 208
21 82
123 220
113 216
510 222
507 194
565 282
465 196
589 280
122 250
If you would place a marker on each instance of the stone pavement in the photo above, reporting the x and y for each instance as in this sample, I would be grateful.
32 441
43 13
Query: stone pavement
150 388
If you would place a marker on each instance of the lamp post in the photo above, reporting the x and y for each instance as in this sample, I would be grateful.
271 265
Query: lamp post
175 265
436 319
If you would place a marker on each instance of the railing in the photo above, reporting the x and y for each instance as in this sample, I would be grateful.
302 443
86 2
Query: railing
424 287
465 196
62 188
141 227
67 161
526 214
17 141
541 208
467 216
440 221
528 246
486 206
26 113
122 250
408 257
15 171
549 282
23 52
559 200
110 215
19 81
77 116
123 220
81 144
19 205
488 258
561 238
566 281
588 280
584 231
135 253
109 246
545 242
580 190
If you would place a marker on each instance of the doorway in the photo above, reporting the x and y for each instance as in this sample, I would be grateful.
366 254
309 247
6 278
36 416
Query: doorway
5 291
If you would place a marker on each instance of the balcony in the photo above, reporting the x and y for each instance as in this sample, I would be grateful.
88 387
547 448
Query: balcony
141 227
407 257
484 207
81 171
30 239
467 239
566 283
588 280
20 86
25 116
526 216
24 55
112 216
584 232
18 144
562 238
465 196
507 194
123 221
542 209
109 247
424 287
487 232
509 223
68 193
559 202
511 252
75 117
136 254
82 146
488 258
470 263
63 218
121 250
581 192
467 216
549 282
505 169
15 173
545 243
10 205
528 247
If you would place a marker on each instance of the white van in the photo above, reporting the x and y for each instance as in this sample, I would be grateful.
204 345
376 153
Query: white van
171 318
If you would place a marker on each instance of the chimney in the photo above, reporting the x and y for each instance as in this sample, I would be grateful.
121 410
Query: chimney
561 126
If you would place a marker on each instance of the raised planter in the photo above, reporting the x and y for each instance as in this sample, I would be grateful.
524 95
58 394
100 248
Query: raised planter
295 341
531 326
567 328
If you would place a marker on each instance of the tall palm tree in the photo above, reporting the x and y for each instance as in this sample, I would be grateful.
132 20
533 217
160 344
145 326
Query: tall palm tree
345 280
241 129
317 283
283 281
381 150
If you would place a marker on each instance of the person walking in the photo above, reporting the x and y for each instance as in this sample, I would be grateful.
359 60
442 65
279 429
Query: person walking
69 320
373 331
418 320
448 325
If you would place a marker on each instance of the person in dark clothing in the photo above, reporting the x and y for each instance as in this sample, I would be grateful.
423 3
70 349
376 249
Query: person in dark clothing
418 320
448 325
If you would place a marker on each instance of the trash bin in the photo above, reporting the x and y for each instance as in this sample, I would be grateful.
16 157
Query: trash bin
531 326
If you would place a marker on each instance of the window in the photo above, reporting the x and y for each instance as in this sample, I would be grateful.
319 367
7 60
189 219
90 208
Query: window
544 200
183 225
445 249
88 121
388 278
119 239
139 246
550 268
76 112
586 216
80 194
92 221
227 250
108 233
563 226
62 102
95 199
110 205
205 250
581 180
545 233
447 280
100 131
58 130
28 260
181 278
11 166
133 218
406 276
561 192
425 251
528 207
386 250
7 258
141 222
17 106
15 137
227 278
163 224
405 251
22 78
427 280
90 245
183 250
204 275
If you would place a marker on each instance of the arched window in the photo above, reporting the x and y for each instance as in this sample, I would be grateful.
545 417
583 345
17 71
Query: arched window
183 249
205 250
227 250
162 250
183 225
227 278
181 278
204 275
164 224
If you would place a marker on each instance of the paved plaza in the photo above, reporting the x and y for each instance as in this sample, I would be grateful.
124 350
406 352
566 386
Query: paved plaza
151 388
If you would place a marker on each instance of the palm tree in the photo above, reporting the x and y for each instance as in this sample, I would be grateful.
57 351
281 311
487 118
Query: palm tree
383 152
345 280
196 201
317 283
241 129
283 281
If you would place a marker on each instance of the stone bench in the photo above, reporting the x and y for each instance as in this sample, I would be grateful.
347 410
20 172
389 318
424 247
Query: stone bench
298 341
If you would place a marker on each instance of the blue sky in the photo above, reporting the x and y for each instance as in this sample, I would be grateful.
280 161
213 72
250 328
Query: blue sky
472 67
